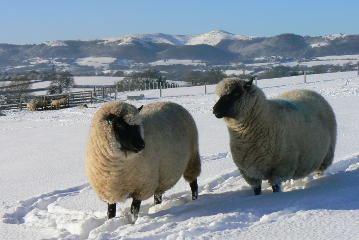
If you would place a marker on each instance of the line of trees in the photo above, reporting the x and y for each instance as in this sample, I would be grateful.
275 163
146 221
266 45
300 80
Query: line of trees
139 80
60 82
212 76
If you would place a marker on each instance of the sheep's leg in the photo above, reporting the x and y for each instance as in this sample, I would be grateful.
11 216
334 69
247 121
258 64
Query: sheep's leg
194 189
276 188
135 208
111 210
257 189
255 183
158 198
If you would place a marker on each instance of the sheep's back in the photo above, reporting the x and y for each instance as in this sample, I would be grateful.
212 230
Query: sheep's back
307 127
171 137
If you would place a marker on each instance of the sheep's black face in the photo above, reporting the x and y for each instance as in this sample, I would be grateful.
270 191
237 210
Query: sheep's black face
227 104
224 106
129 136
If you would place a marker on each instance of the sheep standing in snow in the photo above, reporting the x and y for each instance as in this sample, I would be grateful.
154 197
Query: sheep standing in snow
57 103
284 138
32 105
136 153
35 104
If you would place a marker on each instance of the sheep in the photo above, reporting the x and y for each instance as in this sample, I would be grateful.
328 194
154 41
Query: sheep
32 105
35 104
136 153
42 103
285 138
57 103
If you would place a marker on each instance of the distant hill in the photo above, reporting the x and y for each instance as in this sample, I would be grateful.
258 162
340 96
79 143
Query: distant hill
215 47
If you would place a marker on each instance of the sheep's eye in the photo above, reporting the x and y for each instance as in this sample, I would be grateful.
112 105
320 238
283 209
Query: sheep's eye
110 118
237 94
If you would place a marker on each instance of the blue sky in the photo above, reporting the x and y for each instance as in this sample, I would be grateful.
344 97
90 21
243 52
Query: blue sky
40 20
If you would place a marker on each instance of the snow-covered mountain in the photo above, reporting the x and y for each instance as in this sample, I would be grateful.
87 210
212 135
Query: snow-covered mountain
211 38
215 37
214 48
151 37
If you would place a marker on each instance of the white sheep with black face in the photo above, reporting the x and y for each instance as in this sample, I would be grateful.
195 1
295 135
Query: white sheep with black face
137 153
284 138
57 103
36 104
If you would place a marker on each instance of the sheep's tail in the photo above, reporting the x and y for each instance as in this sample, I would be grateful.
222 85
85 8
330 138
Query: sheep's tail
328 159
193 168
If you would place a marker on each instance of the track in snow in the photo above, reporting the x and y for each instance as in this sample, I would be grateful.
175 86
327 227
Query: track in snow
225 203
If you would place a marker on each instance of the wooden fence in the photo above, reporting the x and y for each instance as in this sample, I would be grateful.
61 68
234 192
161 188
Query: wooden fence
19 101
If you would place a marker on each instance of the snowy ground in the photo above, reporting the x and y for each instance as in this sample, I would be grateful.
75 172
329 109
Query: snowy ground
45 195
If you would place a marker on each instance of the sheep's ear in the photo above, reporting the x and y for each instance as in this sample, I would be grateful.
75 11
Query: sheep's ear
140 108
249 83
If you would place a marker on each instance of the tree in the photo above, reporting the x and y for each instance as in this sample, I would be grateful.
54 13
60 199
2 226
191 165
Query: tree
212 76
62 83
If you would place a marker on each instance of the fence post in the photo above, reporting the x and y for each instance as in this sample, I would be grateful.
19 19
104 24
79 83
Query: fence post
205 89
305 77
103 92
20 103
160 87
358 68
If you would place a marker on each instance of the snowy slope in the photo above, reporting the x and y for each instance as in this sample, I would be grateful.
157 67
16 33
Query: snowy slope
97 62
210 38
214 37
45 194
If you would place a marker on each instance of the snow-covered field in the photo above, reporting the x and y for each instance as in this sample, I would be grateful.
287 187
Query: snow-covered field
97 62
45 195
177 62
96 80
339 60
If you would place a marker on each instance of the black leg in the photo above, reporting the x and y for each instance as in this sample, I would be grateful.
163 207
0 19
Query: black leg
135 208
111 210
257 190
276 188
158 198
194 189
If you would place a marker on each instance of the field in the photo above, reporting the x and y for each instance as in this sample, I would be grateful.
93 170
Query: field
45 194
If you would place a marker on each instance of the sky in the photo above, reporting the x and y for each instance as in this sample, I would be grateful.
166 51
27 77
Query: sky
24 21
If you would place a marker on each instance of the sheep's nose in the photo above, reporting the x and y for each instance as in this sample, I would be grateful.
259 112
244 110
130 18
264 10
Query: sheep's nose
217 114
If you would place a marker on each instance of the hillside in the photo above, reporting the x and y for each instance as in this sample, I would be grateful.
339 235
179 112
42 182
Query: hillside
215 47
45 194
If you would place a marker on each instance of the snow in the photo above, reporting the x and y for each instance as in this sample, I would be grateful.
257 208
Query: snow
96 62
319 44
340 57
334 36
45 194
210 38
236 72
155 37
214 37
56 43
96 80
178 61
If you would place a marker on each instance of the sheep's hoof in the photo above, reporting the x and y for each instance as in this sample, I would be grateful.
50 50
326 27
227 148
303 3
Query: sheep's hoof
257 190
111 210
194 189
158 198
276 188
135 209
